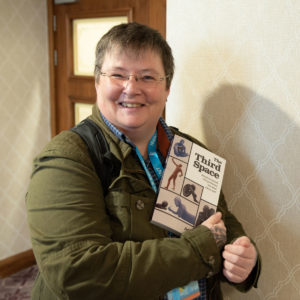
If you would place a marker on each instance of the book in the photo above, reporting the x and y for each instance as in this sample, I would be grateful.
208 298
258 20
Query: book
189 188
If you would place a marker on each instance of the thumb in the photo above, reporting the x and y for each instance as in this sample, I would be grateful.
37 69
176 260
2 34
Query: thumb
242 241
215 218
212 220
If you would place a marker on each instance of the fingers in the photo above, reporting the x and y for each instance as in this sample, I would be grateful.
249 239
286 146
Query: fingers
239 259
234 272
236 259
233 277
236 269
242 241
237 272
242 247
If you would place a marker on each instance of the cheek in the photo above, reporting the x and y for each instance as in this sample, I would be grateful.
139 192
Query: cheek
162 99
108 93
157 96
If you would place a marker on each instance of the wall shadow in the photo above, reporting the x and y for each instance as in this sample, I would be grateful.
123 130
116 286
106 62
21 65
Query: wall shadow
260 143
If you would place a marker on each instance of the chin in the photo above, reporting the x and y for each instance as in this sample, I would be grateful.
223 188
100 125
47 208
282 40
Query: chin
132 124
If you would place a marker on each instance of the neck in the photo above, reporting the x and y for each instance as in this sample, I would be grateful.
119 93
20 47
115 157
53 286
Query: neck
141 142
143 150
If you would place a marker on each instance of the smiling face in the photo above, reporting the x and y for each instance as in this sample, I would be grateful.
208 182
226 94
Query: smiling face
132 107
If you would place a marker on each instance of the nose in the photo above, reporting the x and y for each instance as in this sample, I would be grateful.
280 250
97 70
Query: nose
132 83
134 76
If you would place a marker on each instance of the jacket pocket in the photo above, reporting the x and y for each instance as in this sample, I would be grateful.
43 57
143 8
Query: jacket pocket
119 211
130 216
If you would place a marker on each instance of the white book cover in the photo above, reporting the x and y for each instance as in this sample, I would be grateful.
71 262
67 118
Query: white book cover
190 186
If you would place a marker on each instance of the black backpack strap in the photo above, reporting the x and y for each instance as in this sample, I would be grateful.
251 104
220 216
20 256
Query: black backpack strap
106 164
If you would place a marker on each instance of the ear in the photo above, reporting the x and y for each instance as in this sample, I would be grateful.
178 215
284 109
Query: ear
97 85
167 94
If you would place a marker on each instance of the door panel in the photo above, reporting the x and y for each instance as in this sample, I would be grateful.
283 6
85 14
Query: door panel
69 89
86 33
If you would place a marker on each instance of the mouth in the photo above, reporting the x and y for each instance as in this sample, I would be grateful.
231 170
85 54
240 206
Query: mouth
131 105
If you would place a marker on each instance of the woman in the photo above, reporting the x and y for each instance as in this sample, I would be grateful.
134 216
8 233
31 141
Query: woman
94 246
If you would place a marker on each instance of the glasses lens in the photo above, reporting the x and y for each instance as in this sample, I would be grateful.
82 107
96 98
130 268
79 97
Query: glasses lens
143 80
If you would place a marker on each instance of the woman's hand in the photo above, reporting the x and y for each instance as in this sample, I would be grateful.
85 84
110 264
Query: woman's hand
240 258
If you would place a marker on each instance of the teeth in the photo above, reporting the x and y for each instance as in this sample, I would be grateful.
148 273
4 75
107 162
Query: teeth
130 105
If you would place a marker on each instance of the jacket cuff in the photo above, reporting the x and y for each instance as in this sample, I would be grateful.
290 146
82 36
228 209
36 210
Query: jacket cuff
204 245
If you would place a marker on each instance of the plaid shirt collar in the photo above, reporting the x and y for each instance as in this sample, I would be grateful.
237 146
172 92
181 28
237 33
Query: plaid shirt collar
125 139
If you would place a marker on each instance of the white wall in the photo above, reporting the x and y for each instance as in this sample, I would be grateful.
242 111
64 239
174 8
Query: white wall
24 111
237 88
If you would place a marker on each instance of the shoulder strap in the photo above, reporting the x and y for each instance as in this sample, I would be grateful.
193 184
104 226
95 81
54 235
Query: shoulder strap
106 164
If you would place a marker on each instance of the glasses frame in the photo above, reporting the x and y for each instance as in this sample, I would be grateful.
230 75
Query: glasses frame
137 77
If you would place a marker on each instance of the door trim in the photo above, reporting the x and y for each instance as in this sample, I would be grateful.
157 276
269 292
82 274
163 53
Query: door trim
51 67
16 263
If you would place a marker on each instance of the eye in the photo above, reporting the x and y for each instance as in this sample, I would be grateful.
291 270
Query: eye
118 76
148 78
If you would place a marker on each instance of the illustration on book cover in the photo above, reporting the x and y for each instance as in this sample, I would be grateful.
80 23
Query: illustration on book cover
189 188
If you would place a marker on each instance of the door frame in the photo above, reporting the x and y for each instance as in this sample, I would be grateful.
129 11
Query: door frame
51 48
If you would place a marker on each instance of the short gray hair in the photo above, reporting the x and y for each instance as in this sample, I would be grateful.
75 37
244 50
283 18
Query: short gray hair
136 37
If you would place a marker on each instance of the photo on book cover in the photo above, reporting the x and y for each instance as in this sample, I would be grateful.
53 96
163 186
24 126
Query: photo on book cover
178 213
191 190
181 148
205 211
183 209
174 175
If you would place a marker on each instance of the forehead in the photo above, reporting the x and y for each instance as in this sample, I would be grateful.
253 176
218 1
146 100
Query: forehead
132 58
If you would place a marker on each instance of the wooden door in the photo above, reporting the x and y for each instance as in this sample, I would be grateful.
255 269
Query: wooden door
66 88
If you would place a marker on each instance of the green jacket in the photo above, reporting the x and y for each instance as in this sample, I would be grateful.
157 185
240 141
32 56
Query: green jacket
88 246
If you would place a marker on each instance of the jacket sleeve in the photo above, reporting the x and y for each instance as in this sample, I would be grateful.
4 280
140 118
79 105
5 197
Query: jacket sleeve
72 238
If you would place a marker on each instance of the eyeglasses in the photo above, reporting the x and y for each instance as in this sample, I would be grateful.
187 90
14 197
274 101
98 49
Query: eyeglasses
146 80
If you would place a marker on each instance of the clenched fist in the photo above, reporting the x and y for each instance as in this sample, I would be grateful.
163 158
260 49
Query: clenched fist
240 258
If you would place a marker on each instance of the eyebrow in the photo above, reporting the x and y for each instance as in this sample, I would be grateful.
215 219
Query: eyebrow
141 71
